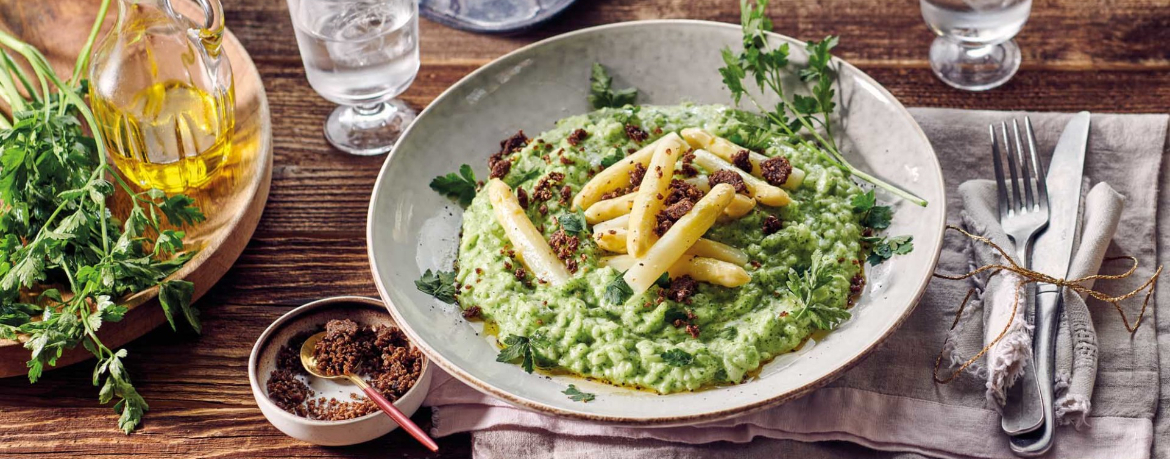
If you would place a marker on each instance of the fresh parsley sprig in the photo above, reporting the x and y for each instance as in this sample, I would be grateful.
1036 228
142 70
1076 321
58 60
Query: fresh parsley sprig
883 248
805 287
602 94
460 186
871 214
439 284
521 348
617 291
766 66
878 218
576 395
55 227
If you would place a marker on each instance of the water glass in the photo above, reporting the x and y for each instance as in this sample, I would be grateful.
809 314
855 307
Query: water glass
360 54
974 49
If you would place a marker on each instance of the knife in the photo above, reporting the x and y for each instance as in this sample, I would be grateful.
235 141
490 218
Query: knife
1053 251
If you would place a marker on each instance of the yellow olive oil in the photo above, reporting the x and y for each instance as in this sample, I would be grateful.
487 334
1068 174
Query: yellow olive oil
170 135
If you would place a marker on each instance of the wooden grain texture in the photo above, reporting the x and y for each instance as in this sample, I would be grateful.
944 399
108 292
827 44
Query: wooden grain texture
1110 56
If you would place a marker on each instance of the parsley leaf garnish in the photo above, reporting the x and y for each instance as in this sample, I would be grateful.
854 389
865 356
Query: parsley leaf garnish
663 281
518 347
798 115
601 93
612 158
805 287
514 180
577 396
872 215
883 248
618 291
460 186
574 222
440 284
677 357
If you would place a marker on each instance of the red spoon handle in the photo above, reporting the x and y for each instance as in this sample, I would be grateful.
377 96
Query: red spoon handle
411 428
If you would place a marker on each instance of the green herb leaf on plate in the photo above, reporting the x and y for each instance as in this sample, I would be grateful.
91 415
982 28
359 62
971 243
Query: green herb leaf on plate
677 357
573 222
602 94
460 186
518 348
577 396
618 291
439 284
882 248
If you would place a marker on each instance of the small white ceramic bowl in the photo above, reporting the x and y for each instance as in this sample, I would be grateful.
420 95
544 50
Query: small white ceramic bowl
311 318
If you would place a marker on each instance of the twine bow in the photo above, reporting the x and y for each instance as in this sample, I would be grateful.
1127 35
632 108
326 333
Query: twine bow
1029 277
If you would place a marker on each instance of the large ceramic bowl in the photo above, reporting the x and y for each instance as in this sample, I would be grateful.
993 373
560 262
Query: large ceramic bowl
412 228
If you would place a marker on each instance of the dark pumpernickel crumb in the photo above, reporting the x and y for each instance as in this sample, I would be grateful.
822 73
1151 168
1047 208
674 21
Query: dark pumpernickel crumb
670 214
522 196
564 245
636 133
577 137
776 170
742 160
288 392
500 168
521 274
543 191
687 169
637 174
681 289
471 313
385 359
566 194
772 225
728 177
345 348
616 193
498 163
680 190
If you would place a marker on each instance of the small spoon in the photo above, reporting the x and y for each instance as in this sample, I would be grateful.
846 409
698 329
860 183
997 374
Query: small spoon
310 364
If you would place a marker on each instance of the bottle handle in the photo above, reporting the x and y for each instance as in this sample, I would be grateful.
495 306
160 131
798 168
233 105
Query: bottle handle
210 31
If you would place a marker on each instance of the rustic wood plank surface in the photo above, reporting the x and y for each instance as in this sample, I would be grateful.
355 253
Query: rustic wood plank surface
1101 56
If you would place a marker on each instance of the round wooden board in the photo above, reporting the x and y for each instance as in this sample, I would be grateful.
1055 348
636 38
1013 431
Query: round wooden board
233 202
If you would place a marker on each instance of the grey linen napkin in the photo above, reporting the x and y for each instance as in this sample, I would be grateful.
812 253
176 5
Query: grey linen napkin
1126 152
1076 363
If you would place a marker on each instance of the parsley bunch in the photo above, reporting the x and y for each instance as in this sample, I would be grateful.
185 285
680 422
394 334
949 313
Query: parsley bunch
64 258
792 116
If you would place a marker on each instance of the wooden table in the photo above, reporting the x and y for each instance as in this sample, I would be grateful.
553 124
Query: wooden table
311 240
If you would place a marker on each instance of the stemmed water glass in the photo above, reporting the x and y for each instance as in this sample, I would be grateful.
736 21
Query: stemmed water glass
360 54
974 49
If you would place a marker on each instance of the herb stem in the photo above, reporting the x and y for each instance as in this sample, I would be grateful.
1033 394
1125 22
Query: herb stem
28 87
83 57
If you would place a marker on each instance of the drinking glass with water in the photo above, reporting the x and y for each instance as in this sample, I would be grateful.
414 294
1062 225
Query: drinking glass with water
360 54
974 49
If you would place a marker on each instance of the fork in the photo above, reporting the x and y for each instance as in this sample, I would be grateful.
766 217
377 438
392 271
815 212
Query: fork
1023 213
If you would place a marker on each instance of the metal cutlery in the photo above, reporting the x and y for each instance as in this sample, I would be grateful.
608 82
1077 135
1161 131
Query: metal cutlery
1063 181
1024 214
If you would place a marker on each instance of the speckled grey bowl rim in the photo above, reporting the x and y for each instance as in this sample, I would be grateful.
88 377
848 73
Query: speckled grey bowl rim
372 304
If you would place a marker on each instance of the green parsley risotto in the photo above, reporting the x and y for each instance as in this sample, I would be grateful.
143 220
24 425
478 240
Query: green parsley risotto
794 268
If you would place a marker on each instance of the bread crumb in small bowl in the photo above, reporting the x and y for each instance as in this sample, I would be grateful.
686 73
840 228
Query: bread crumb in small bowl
360 337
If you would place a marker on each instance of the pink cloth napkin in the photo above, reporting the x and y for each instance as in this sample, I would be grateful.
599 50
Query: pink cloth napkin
859 416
